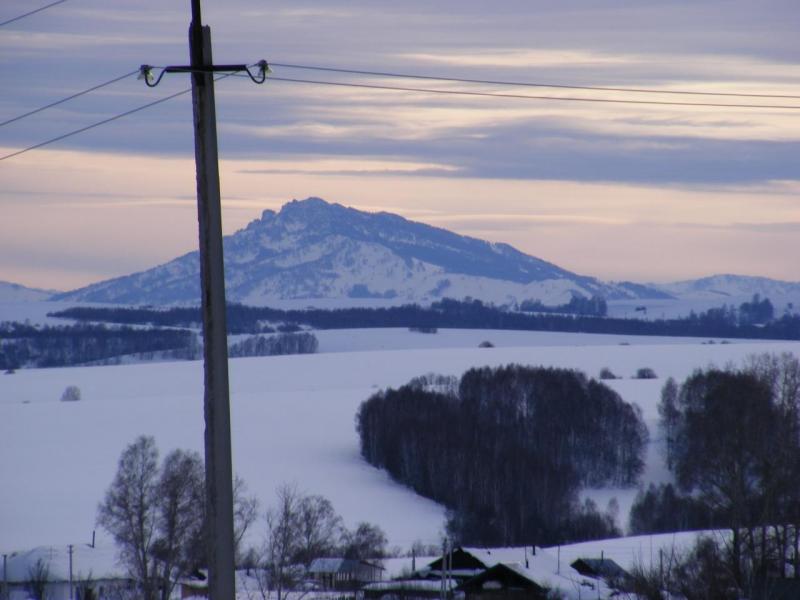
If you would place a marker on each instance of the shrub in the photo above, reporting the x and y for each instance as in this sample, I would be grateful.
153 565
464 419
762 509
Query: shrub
71 394
645 373
606 373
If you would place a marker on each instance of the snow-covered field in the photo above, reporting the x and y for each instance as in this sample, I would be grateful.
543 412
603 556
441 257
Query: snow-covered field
293 420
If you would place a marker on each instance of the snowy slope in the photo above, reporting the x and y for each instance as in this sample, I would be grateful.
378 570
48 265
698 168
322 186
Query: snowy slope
641 551
292 422
699 295
314 250
723 287
13 292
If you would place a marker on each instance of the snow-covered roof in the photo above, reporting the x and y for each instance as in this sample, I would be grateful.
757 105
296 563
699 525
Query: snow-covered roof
603 567
338 565
569 582
99 562
543 568
509 554
404 566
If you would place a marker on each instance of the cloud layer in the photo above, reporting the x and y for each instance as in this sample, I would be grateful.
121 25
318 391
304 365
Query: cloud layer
578 183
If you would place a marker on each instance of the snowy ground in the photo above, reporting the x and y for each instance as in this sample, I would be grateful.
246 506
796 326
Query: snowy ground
293 420
357 340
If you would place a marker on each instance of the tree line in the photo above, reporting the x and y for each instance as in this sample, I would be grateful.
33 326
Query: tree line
448 313
24 345
507 449
595 306
283 343
28 346
732 443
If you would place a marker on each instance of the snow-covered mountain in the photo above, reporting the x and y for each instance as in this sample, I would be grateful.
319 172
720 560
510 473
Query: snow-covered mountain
13 292
727 288
313 250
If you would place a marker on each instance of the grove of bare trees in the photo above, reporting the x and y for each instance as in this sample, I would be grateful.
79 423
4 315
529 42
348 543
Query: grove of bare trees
507 449
155 513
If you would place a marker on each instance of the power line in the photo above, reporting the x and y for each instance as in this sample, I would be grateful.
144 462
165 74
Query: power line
103 122
93 125
530 97
68 98
33 12
529 84
394 88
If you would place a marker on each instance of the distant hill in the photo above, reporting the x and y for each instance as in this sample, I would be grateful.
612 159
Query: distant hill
13 292
727 288
312 249
317 253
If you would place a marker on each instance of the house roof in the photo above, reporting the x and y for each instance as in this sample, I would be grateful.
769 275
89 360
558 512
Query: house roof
601 567
99 562
505 573
338 565
469 561
543 569
509 554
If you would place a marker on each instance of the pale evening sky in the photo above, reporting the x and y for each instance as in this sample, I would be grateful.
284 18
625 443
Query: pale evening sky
649 193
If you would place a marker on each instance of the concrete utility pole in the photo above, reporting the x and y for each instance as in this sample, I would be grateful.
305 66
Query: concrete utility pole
219 470
71 593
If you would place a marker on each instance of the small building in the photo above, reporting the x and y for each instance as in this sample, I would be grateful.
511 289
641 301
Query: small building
409 589
503 582
600 568
465 562
516 573
96 575
343 573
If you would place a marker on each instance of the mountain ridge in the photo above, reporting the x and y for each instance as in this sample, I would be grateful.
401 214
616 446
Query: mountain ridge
315 250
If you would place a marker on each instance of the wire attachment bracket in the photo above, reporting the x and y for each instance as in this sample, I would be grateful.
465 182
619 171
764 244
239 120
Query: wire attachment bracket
257 72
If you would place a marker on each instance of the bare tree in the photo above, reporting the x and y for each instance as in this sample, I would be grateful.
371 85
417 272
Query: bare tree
181 493
157 515
38 577
365 541
129 512
245 513
319 528
283 524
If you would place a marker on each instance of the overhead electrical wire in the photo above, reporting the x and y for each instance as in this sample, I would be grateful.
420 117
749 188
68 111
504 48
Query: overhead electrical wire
531 97
68 98
33 12
96 124
461 93
103 122
530 84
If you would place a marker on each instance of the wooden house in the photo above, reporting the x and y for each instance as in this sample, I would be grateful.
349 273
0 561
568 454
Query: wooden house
503 582
343 573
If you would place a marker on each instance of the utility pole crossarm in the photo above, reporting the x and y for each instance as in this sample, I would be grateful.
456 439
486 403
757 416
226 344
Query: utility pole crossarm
260 75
